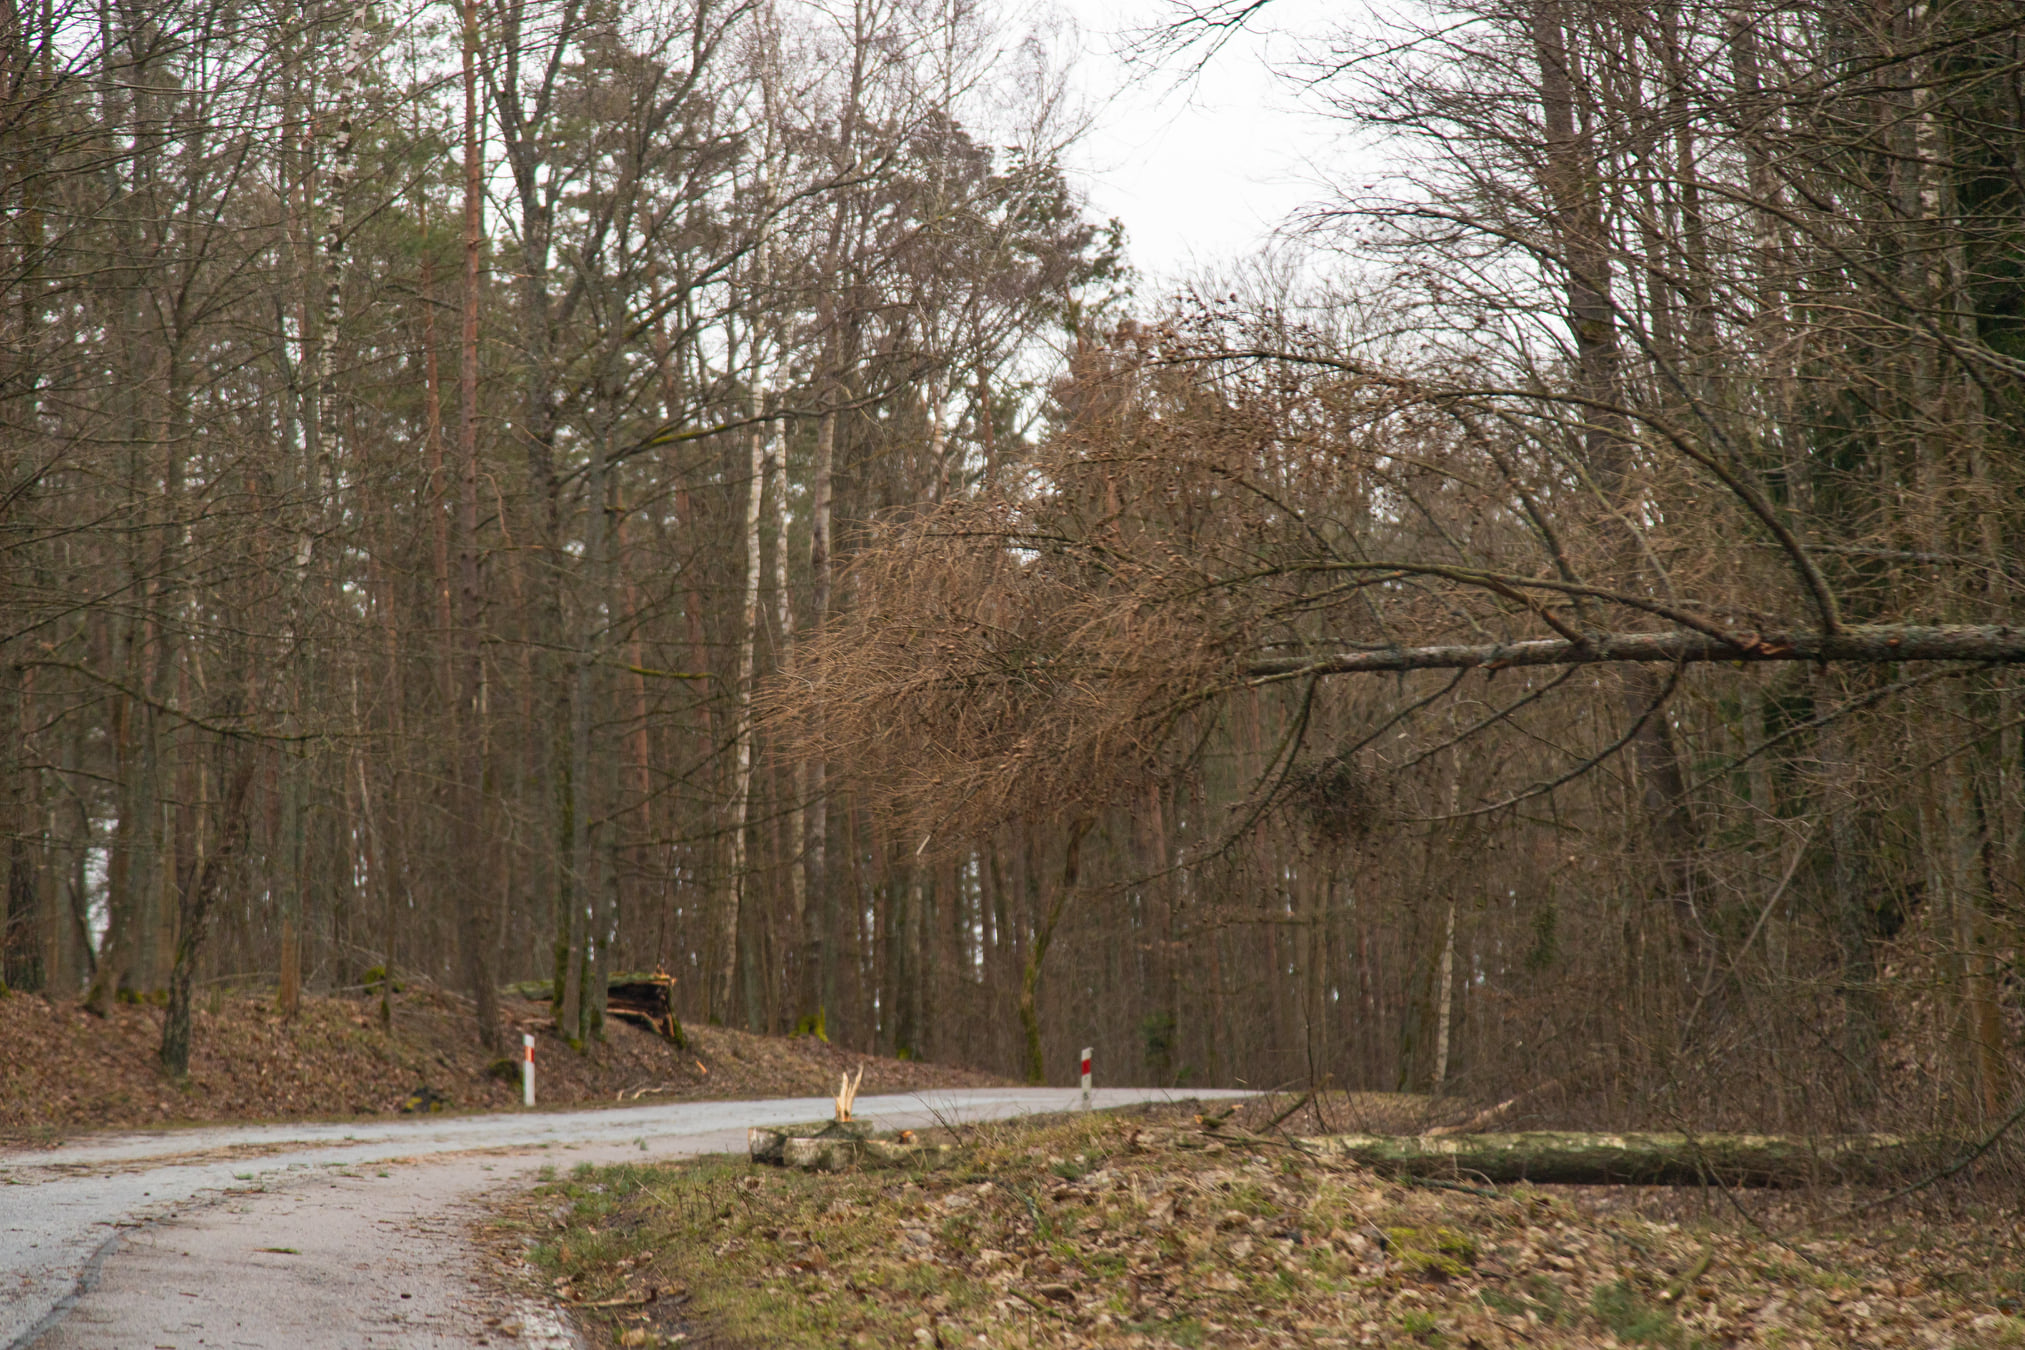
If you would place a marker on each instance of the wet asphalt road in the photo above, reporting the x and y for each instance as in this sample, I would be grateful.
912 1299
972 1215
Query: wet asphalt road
169 1239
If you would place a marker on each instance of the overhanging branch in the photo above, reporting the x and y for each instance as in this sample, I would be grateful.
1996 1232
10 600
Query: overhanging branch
1871 644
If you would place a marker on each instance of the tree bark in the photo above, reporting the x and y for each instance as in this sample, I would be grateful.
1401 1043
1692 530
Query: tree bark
732 904
477 929
21 940
1444 1001
197 888
1876 644
1037 951
1583 1159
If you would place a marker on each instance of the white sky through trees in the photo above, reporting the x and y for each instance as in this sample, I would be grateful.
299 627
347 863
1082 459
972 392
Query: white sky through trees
1202 163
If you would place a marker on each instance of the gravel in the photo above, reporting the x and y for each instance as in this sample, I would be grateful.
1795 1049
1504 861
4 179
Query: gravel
169 1239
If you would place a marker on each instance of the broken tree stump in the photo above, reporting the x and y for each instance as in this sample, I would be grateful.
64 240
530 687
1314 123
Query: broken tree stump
768 1143
647 1001
837 1145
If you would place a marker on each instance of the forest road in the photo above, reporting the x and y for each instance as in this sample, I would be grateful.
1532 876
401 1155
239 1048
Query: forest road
315 1236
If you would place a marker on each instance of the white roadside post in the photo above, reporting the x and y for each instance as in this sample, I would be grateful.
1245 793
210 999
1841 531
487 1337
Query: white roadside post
1086 1078
527 1070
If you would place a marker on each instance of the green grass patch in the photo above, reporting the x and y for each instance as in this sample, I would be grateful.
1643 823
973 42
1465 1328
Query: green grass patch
1626 1312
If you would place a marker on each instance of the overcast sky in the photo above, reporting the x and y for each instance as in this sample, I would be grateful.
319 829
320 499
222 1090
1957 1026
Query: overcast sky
1201 169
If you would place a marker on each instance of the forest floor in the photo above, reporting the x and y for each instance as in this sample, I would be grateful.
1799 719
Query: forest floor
66 1070
1142 1229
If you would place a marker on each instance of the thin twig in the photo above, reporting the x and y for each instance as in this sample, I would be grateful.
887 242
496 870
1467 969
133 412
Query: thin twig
1298 1104
1435 1183
1942 1175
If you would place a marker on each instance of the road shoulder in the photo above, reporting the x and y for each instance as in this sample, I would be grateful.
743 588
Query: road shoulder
379 1255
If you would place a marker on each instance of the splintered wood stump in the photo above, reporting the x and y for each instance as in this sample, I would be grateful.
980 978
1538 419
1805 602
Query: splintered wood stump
847 1093
1637 1159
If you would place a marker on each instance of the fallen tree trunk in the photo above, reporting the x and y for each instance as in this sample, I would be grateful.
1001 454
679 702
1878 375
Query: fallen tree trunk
1875 644
1638 1159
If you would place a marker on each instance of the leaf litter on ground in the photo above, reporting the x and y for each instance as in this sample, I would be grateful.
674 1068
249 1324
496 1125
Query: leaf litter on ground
334 1059
1162 1229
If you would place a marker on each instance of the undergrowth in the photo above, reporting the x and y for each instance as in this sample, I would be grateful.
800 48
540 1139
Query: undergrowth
1108 1230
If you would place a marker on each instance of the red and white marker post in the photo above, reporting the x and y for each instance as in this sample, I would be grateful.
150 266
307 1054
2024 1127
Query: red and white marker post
527 1070
1086 1078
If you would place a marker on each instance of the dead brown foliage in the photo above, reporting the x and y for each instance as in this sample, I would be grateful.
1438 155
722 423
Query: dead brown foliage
1150 1232
333 1059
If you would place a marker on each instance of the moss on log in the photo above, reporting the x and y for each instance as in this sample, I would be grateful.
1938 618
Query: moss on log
1638 1159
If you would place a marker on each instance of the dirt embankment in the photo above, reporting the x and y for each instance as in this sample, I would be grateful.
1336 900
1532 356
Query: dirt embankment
66 1070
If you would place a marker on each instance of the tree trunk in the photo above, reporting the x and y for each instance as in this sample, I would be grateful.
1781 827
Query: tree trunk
1037 951
21 940
1444 1001
819 961
131 866
794 949
731 908
1549 1158
1852 919
1876 644
197 890
477 926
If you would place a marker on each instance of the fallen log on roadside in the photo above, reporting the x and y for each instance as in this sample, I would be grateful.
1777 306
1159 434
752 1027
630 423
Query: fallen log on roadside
1578 1158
